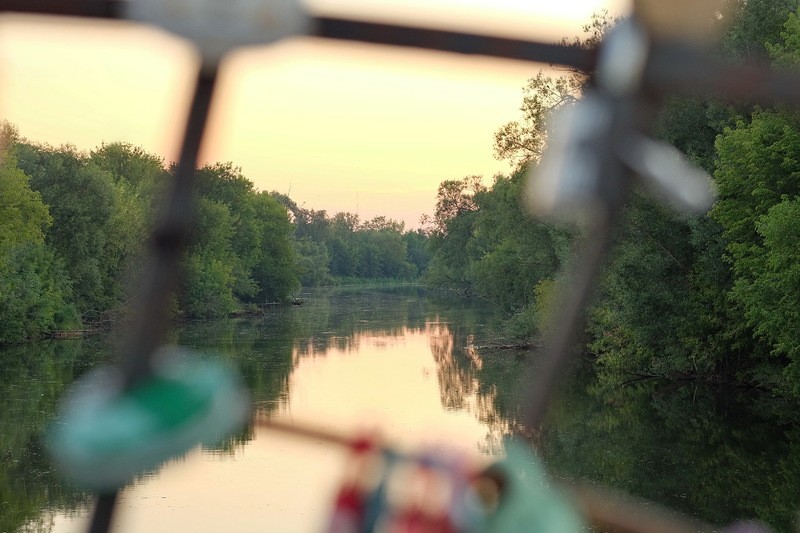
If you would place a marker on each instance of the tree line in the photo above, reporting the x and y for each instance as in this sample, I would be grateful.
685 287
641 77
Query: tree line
713 296
74 225
342 248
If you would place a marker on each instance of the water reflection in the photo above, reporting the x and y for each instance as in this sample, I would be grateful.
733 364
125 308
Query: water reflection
404 361
32 379
344 360
717 454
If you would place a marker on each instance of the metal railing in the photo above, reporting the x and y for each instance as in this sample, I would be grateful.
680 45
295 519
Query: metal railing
664 67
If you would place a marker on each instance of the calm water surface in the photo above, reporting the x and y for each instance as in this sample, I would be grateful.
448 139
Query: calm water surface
399 360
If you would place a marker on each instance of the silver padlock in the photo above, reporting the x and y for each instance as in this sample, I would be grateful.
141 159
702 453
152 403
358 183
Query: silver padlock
217 27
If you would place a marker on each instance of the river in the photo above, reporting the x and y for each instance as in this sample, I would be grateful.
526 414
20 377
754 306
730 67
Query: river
401 361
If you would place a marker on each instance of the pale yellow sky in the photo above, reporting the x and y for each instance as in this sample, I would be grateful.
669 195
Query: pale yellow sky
338 126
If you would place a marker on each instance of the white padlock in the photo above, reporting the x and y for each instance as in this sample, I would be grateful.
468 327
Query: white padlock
217 27
567 183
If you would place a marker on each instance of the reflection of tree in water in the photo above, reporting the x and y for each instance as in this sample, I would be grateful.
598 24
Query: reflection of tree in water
261 349
458 369
717 456
341 318
32 379
456 382
720 455
344 318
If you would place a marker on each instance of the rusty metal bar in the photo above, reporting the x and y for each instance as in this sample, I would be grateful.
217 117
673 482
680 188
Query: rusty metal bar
605 509
103 512
151 316
676 67
615 512
565 328
672 67
75 8
454 41
360 31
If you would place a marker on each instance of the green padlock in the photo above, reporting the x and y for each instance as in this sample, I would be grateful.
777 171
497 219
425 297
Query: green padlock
105 435
527 501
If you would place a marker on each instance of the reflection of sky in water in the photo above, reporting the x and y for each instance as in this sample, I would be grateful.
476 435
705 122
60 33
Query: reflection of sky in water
408 384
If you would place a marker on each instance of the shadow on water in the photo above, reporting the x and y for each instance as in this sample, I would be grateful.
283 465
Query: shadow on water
718 454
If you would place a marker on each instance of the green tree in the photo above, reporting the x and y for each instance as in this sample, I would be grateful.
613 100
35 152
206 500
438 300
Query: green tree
771 295
512 251
484 242
755 24
81 198
261 258
23 215
522 141
225 184
757 173
34 294
341 244
34 290
144 172
210 262
417 242
312 262
452 230
668 301
275 271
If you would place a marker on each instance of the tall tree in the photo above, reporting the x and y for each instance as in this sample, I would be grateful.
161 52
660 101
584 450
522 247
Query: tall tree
523 141
275 270
34 289
81 198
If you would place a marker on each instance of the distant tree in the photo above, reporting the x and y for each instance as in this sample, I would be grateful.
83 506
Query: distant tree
23 215
312 262
785 51
451 233
417 245
381 223
261 254
145 173
513 252
275 271
210 263
454 198
754 24
341 244
522 141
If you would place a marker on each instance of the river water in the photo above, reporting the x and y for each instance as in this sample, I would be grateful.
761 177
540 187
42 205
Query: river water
403 362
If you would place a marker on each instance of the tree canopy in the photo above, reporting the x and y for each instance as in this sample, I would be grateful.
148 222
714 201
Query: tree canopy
74 227
711 297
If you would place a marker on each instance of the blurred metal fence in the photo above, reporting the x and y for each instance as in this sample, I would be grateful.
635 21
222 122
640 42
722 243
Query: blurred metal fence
631 71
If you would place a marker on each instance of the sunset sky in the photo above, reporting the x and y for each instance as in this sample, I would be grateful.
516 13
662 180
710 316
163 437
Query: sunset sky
337 126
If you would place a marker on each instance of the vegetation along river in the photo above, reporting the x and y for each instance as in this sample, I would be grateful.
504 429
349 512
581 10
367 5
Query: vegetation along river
405 361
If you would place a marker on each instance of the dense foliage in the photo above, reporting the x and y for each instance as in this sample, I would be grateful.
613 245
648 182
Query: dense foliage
712 297
74 226
342 248
483 242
